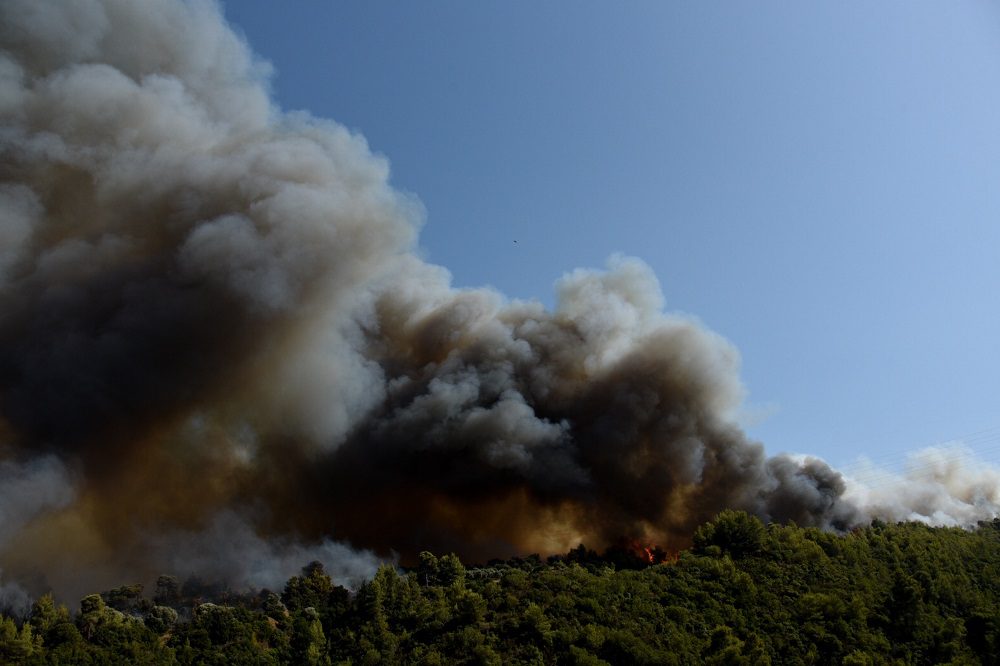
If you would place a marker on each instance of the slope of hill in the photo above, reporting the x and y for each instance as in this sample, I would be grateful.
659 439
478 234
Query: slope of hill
745 593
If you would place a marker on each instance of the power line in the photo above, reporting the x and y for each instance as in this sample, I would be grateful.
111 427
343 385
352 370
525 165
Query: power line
982 446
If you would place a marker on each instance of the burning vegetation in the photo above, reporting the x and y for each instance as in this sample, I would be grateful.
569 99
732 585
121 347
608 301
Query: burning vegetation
744 594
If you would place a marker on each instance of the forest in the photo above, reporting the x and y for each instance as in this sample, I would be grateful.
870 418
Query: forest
743 593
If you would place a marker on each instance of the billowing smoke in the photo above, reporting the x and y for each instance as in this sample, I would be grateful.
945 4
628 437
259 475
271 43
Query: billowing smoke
15 601
939 485
220 355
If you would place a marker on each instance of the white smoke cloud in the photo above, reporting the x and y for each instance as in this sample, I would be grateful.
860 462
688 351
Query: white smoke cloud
229 550
939 485
14 600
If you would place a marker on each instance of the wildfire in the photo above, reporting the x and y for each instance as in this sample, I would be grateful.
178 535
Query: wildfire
635 553
653 554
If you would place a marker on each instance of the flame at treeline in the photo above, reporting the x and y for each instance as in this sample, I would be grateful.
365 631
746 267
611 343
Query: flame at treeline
646 553
221 353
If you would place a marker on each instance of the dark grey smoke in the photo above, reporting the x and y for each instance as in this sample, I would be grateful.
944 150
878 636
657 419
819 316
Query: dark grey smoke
214 332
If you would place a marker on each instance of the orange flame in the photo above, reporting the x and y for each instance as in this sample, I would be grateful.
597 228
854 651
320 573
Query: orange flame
632 553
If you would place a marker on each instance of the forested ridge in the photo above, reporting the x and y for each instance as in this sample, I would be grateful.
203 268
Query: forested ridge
744 593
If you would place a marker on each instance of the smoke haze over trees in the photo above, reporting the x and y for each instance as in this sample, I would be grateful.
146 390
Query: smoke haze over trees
221 354
745 594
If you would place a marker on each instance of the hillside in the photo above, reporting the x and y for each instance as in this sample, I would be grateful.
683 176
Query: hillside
744 593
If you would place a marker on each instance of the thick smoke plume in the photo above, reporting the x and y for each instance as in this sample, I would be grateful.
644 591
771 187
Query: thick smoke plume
220 355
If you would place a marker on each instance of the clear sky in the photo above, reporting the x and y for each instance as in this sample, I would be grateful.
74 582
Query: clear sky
818 182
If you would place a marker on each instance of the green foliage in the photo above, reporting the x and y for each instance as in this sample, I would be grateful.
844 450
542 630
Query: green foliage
16 644
744 594
127 598
732 532
161 619
311 589
168 591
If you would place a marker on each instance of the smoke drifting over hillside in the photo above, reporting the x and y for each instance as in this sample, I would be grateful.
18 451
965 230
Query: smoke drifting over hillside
219 355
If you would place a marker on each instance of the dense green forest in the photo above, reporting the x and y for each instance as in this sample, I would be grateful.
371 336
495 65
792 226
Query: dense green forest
745 593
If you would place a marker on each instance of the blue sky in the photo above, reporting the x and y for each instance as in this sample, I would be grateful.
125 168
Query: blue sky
817 182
